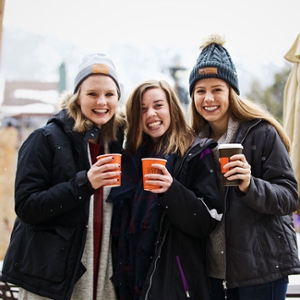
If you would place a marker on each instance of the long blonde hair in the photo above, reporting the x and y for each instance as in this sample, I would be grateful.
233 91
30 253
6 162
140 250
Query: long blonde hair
177 138
241 110
68 101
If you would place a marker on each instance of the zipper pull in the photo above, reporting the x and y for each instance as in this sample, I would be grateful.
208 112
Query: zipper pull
187 295
224 283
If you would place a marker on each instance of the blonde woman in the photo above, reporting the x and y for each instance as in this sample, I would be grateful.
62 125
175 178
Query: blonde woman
159 235
60 244
253 250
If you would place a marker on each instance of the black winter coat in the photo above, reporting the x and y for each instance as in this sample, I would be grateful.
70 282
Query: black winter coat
52 195
261 241
192 206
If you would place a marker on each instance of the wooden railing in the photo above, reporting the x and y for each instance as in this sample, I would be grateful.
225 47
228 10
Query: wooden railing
8 291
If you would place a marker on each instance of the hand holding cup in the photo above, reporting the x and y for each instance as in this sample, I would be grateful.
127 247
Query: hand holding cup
106 171
155 174
234 167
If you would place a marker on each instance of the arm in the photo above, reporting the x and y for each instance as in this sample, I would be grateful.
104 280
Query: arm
193 202
47 184
273 187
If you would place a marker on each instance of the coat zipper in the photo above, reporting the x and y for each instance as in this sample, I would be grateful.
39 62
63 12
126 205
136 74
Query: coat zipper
161 241
224 283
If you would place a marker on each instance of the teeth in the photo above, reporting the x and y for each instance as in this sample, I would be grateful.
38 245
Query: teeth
154 124
210 108
100 110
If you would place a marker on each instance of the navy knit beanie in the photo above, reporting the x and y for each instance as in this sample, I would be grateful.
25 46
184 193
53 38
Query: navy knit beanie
214 61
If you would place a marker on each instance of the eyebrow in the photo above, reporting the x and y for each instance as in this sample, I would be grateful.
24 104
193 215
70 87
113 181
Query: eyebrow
108 90
155 101
213 86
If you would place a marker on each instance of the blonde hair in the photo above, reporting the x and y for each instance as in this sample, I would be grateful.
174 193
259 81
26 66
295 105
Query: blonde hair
176 139
69 102
241 110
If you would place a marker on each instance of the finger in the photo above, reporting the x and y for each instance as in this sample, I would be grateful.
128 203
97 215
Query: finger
159 167
109 168
104 161
160 190
238 157
154 176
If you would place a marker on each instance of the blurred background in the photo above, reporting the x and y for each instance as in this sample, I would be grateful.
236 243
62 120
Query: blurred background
42 43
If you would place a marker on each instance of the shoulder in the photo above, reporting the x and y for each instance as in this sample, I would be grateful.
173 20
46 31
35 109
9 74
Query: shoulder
42 138
203 143
198 150
257 127
260 135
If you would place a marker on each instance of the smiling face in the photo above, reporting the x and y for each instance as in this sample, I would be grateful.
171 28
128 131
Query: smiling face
156 118
98 98
211 97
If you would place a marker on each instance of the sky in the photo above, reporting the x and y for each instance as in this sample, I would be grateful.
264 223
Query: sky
257 32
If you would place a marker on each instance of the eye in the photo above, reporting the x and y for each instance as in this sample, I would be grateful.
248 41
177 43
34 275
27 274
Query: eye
200 91
93 94
109 94
217 90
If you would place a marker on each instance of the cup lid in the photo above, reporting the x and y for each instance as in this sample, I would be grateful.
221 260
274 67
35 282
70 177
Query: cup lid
230 146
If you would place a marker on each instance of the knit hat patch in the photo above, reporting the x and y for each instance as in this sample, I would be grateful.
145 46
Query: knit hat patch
100 68
96 63
208 71
214 61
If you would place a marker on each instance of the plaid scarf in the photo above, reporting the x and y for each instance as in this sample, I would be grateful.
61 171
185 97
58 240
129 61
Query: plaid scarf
135 224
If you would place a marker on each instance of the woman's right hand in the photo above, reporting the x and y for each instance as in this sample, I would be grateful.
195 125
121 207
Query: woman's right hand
239 168
102 171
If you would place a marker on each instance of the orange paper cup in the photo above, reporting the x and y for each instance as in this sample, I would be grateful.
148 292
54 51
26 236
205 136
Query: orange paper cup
117 160
148 169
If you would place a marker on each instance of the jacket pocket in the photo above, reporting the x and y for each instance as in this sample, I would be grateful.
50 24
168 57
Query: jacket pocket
47 251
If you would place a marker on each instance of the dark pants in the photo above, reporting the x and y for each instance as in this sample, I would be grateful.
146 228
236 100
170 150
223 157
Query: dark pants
275 290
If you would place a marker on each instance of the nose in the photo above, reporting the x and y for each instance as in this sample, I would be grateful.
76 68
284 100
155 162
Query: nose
101 100
151 112
208 96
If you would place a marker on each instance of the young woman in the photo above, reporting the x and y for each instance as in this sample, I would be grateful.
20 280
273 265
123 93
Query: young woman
60 244
159 236
253 249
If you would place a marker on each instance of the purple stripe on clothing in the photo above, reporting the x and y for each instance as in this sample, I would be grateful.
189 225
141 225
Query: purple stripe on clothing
185 285
204 152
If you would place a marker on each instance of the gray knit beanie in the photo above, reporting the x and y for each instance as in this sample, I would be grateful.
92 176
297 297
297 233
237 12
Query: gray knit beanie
214 61
96 63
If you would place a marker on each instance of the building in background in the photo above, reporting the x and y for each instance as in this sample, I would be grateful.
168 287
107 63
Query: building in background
24 107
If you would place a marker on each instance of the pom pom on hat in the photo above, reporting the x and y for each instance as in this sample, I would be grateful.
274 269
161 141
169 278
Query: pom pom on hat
96 63
214 61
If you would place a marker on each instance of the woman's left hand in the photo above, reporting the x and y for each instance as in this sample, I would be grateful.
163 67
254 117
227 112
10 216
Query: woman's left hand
239 169
164 180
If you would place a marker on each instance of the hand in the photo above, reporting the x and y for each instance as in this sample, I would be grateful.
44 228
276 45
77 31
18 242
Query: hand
102 171
239 169
164 180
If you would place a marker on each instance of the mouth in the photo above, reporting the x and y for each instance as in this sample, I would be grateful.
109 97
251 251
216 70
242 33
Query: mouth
210 108
100 111
154 125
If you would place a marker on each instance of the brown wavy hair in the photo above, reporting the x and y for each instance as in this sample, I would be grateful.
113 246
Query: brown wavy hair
176 139
241 110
